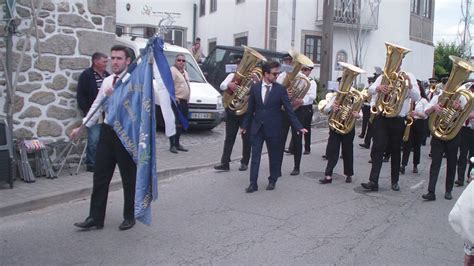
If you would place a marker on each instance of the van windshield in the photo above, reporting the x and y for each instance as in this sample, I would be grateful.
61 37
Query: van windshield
191 66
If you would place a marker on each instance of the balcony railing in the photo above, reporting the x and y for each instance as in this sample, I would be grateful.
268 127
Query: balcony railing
355 13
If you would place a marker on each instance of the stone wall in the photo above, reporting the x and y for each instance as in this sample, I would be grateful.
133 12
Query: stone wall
69 33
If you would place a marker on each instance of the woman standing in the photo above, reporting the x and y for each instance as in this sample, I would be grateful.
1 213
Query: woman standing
417 132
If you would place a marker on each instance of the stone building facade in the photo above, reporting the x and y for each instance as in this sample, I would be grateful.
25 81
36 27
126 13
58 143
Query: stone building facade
69 32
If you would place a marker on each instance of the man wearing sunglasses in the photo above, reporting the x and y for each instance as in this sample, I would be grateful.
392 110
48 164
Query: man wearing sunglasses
265 121
182 93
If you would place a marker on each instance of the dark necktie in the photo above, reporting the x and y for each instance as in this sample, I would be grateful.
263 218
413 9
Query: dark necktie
267 92
115 80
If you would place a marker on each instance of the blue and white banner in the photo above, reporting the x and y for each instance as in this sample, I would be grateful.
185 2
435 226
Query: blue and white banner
131 112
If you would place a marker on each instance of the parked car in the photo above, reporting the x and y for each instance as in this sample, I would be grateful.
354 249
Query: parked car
205 104
214 67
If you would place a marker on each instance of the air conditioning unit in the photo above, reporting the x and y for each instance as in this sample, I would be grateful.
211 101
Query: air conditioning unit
6 153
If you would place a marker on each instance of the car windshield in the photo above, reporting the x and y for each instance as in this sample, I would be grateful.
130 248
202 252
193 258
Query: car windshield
191 67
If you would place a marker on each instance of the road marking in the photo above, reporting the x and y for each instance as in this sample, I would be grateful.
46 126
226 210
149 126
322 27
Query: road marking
417 185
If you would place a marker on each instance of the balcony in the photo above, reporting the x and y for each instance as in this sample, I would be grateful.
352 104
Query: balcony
353 14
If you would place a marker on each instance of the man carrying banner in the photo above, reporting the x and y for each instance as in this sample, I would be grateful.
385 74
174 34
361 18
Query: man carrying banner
110 151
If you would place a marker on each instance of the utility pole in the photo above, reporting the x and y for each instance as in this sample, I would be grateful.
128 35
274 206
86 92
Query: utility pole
326 45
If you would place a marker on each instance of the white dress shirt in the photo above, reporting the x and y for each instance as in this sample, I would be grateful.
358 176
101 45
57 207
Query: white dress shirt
94 117
226 81
413 93
308 99
420 109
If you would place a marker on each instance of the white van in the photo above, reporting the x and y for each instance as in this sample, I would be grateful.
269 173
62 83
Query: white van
205 104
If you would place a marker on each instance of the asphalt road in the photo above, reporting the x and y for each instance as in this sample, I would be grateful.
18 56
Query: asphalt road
204 217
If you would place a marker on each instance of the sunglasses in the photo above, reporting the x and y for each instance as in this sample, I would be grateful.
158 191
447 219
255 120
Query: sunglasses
307 69
180 60
275 73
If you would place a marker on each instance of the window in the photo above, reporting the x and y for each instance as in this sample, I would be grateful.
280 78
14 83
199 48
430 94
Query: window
202 8
213 6
175 36
415 6
346 11
273 25
239 1
240 41
211 46
341 56
427 8
312 48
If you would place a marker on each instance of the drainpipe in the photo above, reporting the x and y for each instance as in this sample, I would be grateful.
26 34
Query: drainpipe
194 21
293 24
266 24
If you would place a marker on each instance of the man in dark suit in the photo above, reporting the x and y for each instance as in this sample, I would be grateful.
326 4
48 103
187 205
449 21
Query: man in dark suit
264 116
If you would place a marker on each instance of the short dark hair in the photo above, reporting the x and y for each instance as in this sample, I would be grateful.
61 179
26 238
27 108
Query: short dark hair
182 55
267 66
125 49
98 55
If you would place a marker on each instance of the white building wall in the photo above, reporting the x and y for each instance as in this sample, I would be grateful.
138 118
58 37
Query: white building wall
150 12
230 19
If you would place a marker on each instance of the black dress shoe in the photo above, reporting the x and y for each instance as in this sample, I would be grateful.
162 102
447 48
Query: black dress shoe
295 172
222 167
348 179
173 149
370 186
126 224
181 148
402 169
415 169
361 136
306 152
459 183
243 167
395 187
386 159
270 186
324 157
429 196
370 161
88 224
251 188
448 196
363 145
324 180
287 151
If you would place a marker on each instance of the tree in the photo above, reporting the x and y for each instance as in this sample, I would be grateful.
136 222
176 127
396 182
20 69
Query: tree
442 63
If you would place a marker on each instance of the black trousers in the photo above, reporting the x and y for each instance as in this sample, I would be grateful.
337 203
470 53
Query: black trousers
365 119
466 150
232 125
388 135
307 118
369 134
417 133
438 148
296 138
110 152
334 143
182 105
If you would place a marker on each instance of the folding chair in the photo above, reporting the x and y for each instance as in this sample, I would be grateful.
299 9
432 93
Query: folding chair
62 158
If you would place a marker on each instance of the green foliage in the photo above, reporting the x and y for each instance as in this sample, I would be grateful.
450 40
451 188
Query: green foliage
442 63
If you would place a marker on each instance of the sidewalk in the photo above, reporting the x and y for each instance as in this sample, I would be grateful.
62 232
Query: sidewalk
205 150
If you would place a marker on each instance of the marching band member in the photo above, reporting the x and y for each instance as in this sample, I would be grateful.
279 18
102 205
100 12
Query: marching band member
388 132
417 133
438 147
335 140
467 145
232 125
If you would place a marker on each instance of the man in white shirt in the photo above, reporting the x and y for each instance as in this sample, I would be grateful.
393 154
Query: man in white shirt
388 132
110 152
232 124
466 148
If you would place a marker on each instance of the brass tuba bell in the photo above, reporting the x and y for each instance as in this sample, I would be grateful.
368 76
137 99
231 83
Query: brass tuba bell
446 124
238 100
296 83
349 100
391 104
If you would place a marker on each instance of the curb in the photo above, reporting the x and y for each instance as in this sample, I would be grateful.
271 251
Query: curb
77 193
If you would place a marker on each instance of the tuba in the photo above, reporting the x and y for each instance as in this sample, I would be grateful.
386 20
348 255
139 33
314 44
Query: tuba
238 101
297 84
349 100
391 104
446 124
